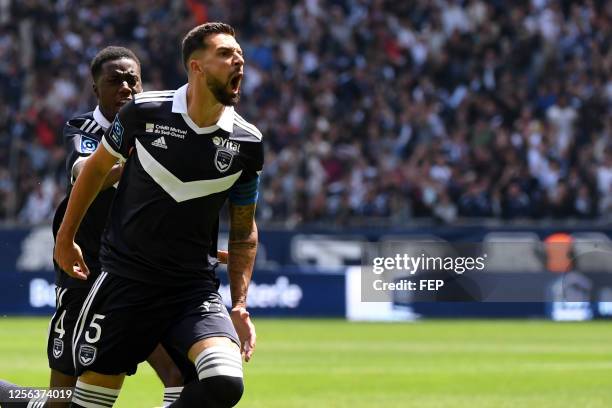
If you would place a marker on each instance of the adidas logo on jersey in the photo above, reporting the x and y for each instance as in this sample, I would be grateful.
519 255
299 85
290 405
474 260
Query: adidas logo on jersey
159 142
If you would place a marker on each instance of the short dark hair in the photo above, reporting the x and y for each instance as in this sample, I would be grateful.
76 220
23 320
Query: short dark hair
110 53
195 38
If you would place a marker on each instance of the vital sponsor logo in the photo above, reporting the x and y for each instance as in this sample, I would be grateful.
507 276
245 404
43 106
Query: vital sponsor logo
226 144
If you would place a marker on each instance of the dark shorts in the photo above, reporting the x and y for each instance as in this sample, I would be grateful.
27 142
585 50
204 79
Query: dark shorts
122 321
68 302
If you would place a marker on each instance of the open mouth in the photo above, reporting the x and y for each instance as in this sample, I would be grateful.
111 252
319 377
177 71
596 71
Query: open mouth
235 82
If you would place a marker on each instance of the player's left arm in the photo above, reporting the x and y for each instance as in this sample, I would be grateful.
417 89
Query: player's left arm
243 238
243 248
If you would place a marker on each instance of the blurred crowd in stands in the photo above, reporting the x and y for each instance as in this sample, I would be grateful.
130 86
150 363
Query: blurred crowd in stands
372 110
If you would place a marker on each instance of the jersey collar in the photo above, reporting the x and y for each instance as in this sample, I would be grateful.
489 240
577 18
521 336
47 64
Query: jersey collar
179 105
100 118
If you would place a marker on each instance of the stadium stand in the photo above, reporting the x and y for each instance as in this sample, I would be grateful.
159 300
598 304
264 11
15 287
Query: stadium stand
373 111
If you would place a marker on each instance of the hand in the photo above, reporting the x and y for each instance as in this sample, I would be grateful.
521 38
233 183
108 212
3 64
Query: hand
246 331
69 257
222 256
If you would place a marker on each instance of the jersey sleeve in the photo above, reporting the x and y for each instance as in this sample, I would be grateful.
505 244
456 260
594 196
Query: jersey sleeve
245 190
119 137
78 144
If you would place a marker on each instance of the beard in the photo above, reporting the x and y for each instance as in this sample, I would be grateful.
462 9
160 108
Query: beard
221 91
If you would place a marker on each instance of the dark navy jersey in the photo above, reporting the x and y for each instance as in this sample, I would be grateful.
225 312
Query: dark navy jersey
82 135
163 223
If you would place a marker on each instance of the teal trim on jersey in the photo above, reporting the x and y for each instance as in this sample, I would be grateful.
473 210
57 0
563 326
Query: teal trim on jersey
244 193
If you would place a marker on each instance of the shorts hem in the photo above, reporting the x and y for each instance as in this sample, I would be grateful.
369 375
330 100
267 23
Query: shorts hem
80 371
70 373
215 334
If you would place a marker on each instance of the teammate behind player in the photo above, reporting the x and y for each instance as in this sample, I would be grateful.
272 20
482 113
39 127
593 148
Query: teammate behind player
116 79
191 152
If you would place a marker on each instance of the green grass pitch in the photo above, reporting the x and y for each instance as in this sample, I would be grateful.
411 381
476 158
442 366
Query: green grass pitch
333 363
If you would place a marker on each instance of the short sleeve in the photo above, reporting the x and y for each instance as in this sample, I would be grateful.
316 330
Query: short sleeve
119 137
245 190
79 146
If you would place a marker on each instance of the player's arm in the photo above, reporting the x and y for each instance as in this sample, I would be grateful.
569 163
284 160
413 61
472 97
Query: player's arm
93 174
222 256
243 248
243 239
113 175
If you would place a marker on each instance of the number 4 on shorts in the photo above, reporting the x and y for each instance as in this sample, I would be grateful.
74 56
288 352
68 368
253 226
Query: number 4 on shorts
59 325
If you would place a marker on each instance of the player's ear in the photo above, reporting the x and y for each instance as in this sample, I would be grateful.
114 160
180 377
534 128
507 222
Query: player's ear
94 87
195 66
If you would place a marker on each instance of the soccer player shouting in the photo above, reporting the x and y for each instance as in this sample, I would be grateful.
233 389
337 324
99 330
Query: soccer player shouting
116 75
116 79
190 153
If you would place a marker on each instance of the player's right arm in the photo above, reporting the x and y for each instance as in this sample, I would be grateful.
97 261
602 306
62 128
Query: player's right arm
67 253
116 142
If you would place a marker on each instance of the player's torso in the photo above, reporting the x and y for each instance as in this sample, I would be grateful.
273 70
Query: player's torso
174 155
182 162
176 179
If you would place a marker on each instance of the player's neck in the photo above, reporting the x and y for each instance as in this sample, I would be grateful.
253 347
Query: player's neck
202 107
108 114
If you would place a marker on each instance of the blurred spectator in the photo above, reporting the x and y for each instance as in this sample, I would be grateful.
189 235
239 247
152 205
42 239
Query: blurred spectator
39 205
562 118
444 210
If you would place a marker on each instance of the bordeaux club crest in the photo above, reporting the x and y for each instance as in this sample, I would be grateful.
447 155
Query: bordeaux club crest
87 354
58 348
223 160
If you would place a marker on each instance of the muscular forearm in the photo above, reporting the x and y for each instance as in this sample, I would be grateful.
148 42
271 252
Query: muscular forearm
242 249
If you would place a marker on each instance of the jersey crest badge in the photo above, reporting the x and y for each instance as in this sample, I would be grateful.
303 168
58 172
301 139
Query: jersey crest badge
58 348
88 145
223 160
87 354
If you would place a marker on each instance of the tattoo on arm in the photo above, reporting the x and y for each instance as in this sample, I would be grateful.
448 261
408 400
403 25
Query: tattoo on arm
242 250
